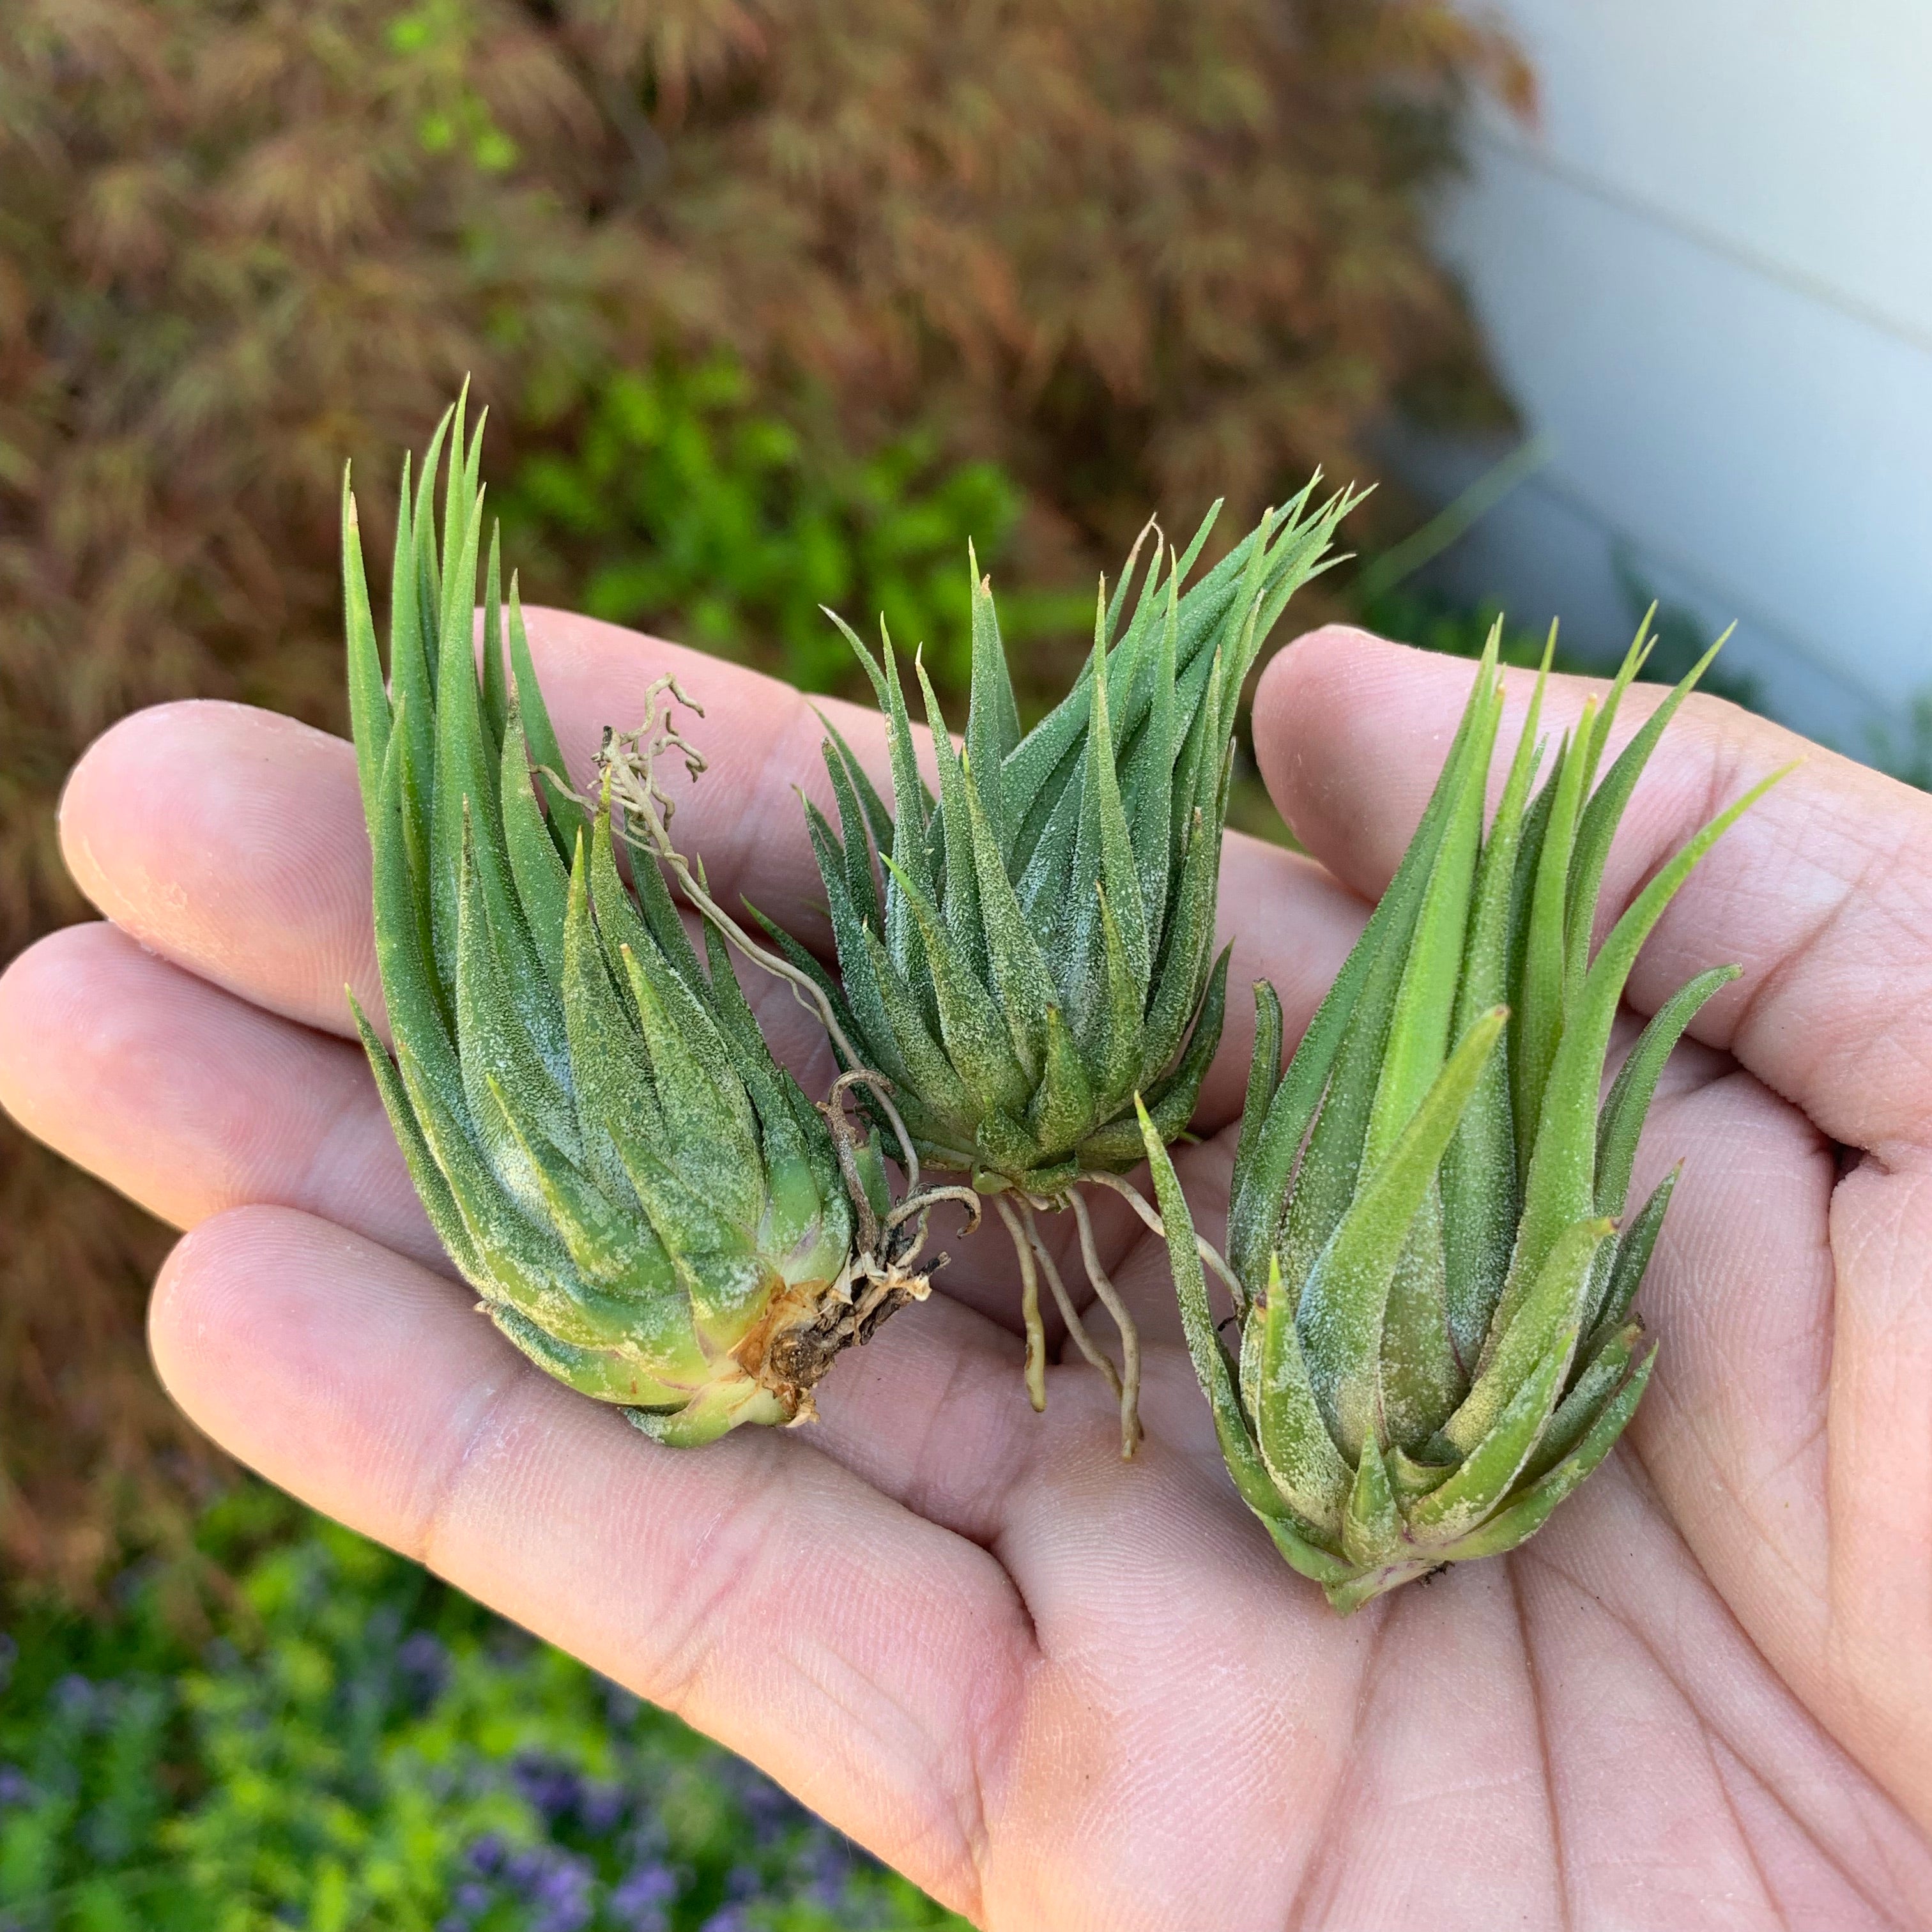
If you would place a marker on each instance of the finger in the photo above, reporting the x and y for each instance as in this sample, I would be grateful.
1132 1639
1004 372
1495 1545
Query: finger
190 1101
862 1655
231 841
1823 892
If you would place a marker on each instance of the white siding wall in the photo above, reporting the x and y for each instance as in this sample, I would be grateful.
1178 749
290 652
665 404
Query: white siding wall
1707 275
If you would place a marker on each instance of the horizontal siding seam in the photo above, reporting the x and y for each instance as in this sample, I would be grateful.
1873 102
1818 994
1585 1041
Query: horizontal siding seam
1769 268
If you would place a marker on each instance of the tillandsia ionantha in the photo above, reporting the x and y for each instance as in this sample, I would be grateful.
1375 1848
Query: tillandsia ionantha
1040 948
1433 1288
647 1204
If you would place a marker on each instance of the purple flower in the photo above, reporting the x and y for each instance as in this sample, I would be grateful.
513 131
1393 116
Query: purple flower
75 1696
770 1811
727 1918
549 1786
557 1883
487 1855
423 1670
638 1901
620 1706
827 1864
14 1787
601 1808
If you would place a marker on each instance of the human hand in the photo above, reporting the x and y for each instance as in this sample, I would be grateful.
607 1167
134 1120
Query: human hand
1058 1691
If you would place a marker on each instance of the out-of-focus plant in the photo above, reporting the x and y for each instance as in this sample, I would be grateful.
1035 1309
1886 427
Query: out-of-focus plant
1907 751
349 1745
1414 614
683 505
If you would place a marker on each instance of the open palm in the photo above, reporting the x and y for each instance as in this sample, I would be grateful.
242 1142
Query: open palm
1059 1691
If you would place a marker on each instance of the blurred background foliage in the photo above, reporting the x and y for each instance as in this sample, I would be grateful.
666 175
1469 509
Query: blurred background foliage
290 1726
680 505
776 301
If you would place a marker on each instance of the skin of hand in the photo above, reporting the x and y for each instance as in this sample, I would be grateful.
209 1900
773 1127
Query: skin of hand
1057 1691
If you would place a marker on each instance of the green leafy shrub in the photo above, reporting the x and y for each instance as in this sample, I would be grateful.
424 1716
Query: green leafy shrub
681 504
351 1747
1906 753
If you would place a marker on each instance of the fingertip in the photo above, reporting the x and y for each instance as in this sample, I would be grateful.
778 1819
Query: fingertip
328 1362
172 1326
230 841
1341 710
44 1054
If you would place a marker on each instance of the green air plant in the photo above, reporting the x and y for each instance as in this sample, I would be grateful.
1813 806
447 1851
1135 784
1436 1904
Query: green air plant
1433 1275
1039 948
646 1203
